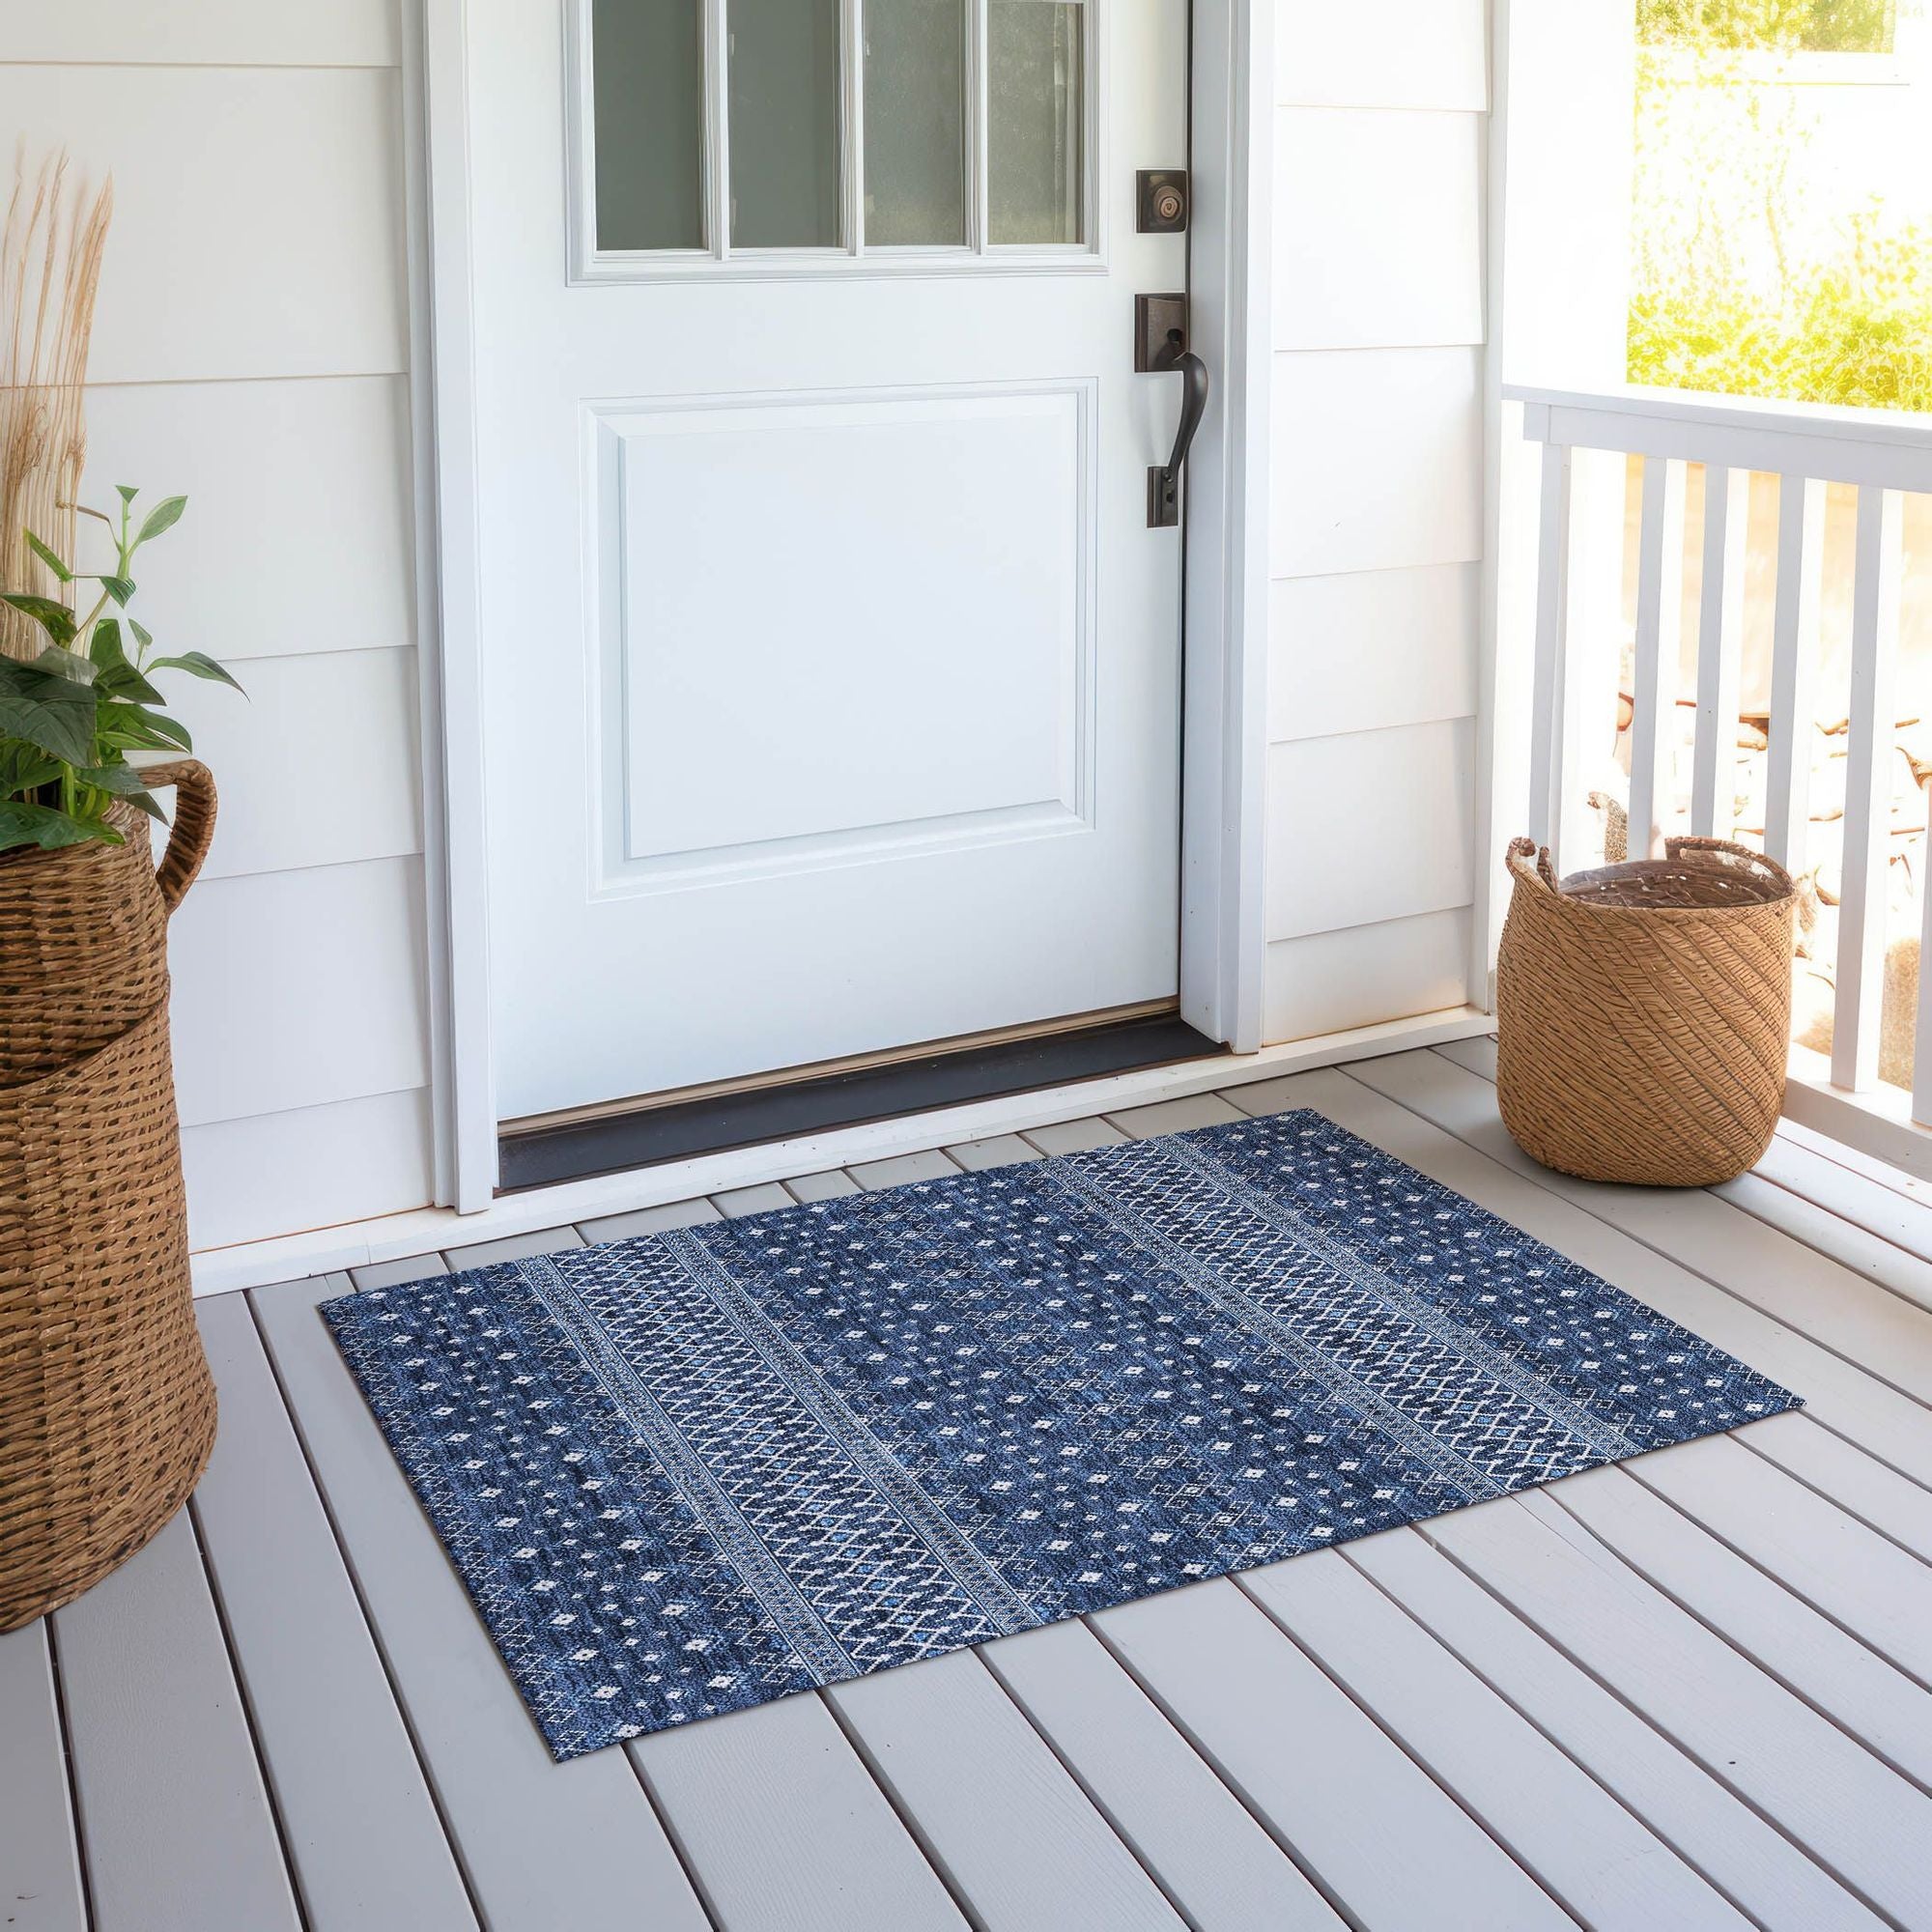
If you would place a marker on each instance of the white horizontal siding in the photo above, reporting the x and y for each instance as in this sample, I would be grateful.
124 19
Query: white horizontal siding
296 537
1376 502
217 33
315 766
250 351
1396 53
1325 982
1411 274
1370 648
298 988
258 215
1378 460
281 1174
1395 812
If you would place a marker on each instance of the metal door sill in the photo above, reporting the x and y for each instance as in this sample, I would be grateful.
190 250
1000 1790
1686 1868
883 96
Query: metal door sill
654 1133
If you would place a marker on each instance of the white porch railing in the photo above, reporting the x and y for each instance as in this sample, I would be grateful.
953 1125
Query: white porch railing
1584 658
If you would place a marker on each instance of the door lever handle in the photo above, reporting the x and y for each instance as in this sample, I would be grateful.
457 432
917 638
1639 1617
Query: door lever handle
1164 481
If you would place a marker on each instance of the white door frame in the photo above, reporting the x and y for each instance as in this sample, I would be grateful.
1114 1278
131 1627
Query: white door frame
1224 725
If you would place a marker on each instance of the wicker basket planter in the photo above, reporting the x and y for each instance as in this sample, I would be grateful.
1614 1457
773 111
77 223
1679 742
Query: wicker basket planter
106 1404
1644 1013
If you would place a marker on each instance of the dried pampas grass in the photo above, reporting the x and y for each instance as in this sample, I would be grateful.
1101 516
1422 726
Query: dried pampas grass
51 251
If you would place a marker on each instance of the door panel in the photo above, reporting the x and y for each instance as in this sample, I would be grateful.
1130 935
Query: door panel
833 674
768 542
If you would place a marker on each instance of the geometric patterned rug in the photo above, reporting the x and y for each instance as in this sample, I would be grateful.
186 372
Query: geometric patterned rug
695 1471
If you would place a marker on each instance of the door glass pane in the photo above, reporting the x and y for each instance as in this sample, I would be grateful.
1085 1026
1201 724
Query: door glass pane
648 57
1035 91
915 123
784 123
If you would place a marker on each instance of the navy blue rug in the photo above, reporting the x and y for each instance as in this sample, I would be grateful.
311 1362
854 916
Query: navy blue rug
698 1470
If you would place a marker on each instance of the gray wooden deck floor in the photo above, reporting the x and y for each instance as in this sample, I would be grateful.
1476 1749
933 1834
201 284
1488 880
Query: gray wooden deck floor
1687 1693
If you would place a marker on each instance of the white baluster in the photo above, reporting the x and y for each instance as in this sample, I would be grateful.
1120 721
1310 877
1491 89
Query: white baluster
1921 1037
1552 624
1720 652
1869 776
1794 659
1659 604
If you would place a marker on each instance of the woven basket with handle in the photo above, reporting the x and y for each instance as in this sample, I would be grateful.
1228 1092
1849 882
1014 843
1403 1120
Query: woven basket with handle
106 1404
1644 1013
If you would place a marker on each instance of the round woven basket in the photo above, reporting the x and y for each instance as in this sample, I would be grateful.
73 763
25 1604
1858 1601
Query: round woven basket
106 1404
1644 1013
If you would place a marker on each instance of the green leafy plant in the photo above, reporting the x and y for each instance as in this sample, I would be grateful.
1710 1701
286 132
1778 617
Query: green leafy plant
71 714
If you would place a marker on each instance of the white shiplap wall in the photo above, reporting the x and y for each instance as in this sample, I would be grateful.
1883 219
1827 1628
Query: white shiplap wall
251 349
1376 495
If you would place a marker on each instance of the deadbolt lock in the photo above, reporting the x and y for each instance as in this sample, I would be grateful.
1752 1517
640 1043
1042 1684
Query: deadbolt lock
1162 201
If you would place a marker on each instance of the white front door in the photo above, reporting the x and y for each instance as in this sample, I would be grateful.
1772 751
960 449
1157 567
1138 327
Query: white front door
832 668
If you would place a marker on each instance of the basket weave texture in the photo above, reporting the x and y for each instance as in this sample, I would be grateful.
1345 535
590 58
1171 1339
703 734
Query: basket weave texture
1644 1013
106 1404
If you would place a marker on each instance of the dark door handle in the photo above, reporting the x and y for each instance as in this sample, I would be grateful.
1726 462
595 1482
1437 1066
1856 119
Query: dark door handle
1164 483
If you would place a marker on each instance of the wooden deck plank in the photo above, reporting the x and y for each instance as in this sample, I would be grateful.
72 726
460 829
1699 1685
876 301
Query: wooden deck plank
1074 1136
543 1845
1002 1150
824 1853
691 1213
1856 1816
903 1169
40 1852
1449 1118
998 1813
1306 1759
394 1273
1475 1055
1843 1473
331 1738
1857 1248
760 1200
175 1823
1750 1863
1834 1673
1860 1581
1588 1851
1174 1116
829 1185
1215 1860
1900 1218
512 1247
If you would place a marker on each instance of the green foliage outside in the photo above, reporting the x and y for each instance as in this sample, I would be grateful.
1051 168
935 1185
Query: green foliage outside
1744 283
1822 26
1858 331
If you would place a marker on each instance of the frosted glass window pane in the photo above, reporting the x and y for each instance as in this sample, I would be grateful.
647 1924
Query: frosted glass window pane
915 122
647 58
1035 87
784 123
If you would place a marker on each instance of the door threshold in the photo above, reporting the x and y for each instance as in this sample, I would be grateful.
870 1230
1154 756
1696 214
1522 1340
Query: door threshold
716 1122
